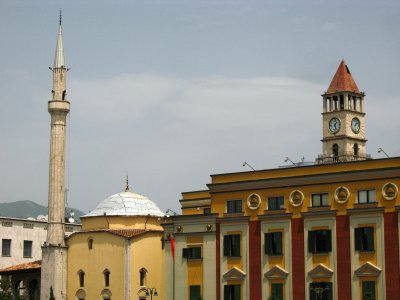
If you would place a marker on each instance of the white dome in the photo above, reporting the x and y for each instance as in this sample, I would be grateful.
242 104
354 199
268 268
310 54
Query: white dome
126 204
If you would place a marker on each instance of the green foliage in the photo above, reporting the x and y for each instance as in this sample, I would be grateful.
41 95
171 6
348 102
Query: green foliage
52 294
5 288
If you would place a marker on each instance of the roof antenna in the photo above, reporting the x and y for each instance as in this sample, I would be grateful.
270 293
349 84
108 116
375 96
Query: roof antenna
60 17
127 184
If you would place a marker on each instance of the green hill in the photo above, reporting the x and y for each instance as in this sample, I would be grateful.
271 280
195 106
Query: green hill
28 209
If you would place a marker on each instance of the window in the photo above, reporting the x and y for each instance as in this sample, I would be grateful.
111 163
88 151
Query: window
90 243
275 203
207 211
273 243
195 292
320 199
276 291
81 275
191 253
364 238
321 290
234 206
142 274
319 241
368 290
6 247
366 196
232 245
106 277
232 292
27 248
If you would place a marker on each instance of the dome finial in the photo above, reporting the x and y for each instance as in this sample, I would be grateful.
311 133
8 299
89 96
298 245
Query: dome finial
127 183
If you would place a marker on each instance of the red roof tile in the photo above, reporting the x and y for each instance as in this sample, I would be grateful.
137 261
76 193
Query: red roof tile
26 267
343 81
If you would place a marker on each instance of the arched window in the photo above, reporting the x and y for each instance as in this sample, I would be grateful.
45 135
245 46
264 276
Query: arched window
142 273
64 94
19 288
335 152
356 149
81 275
90 243
106 273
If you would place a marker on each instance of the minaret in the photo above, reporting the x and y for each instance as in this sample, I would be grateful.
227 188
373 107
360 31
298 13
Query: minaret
343 119
54 250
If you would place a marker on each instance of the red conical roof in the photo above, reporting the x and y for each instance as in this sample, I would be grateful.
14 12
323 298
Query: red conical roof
343 81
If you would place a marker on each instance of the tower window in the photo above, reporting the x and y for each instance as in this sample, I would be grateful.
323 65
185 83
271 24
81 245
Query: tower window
142 274
335 152
90 243
106 277
81 275
355 149
341 102
64 93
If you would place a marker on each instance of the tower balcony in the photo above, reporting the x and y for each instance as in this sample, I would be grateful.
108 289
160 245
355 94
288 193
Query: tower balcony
345 156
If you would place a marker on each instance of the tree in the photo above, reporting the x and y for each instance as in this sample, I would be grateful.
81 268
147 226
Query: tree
5 288
52 294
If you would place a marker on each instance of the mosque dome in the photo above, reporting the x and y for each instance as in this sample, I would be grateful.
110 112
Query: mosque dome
126 204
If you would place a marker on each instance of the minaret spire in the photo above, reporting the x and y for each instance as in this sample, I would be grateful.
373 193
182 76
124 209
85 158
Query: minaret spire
59 61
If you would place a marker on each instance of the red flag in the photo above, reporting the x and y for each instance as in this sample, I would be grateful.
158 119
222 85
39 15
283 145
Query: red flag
172 241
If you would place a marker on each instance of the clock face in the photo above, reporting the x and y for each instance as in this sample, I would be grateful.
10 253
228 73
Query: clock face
355 125
334 125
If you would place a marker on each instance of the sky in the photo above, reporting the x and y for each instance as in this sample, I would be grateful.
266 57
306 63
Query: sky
170 92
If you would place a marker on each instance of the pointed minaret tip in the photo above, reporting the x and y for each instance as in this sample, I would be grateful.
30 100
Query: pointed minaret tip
59 61
127 184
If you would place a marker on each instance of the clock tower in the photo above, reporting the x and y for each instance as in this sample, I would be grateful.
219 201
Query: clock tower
343 120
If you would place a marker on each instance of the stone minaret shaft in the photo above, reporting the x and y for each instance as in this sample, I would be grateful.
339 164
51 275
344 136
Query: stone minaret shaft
54 251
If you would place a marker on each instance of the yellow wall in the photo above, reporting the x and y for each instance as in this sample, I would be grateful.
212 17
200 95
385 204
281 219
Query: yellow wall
107 253
118 222
146 252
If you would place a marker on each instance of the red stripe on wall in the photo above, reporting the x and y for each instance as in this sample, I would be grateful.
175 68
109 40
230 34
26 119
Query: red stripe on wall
343 257
255 259
392 256
218 261
298 272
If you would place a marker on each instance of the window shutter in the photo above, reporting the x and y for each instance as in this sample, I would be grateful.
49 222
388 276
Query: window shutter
227 292
235 245
368 290
194 292
311 241
369 231
238 204
358 235
313 295
268 243
328 290
236 292
227 242
185 252
278 242
277 291
328 240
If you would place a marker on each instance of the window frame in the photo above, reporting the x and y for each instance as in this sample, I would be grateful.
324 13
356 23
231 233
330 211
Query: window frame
320 241
234 206
232 245
364 284
273 243
368 199
364 239
319 200
232 292
27 247
192 252
3 243
194 292
274 286
274 203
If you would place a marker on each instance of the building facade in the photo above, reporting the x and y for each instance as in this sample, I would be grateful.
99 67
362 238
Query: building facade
323 231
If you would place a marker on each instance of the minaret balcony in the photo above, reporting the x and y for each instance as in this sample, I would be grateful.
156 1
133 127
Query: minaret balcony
58 105
345 156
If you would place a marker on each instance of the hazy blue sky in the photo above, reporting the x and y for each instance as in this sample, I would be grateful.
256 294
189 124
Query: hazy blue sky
173 91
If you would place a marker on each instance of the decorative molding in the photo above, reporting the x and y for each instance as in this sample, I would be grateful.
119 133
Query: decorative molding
321 271
342 194
253 201
390 191
368 269
234 274
276 272
296 198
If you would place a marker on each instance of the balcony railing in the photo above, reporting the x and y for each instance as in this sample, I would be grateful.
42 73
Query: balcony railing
341 157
